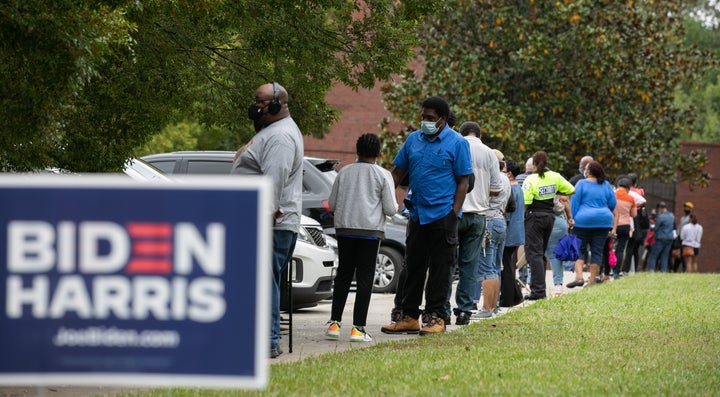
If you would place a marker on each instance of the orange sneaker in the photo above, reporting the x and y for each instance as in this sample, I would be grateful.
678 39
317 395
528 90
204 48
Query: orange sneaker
333 330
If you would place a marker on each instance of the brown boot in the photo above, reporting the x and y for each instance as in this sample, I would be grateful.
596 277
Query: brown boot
435 325
407 325
490 290
594 272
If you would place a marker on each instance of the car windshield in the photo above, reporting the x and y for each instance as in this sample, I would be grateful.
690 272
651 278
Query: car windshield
140 170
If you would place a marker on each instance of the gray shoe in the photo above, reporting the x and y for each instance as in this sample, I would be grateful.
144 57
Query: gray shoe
276 351
482 314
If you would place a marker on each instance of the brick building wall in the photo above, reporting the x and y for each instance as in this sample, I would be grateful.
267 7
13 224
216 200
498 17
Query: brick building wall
363 110
707 206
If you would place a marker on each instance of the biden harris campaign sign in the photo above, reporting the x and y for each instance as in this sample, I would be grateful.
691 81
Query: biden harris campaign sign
107 281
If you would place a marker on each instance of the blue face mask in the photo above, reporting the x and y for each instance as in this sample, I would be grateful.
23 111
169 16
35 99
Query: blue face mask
428 127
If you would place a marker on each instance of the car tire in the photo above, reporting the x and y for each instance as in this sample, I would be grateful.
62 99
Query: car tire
387 270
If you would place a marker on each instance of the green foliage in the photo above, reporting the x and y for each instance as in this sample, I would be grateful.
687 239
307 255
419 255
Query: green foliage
568 77
704 96
50 50
83 84
188 136
181 136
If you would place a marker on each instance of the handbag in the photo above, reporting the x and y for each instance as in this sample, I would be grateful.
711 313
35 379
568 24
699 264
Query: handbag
568 248
688 251
612 258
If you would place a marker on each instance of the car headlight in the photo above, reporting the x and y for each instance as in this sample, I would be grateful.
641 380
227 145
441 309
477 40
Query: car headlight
303 235
313 236
332 243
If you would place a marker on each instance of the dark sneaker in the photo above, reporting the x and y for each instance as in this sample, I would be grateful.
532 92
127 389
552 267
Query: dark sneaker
435 325
424 318
407 325
532 297
576 283
447 319
462 319
275 351
396 315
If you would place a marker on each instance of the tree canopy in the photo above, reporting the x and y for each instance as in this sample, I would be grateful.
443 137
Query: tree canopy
704 96
82 84
568 77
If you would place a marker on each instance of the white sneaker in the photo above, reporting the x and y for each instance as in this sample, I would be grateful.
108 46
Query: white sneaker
559 289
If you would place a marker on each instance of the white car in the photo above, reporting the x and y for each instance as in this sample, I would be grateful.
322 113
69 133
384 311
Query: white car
313 268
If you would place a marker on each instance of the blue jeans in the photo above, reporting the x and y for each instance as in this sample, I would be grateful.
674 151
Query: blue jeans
491 255
283 247
471 231
661 248
560 229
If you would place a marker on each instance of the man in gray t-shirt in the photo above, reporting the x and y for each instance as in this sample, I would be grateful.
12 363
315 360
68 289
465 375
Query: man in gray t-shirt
276 151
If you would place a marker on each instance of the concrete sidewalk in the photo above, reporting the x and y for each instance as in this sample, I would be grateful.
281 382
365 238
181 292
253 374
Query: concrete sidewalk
309 327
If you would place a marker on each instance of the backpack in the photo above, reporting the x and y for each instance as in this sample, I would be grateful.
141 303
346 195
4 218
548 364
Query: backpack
511 205
642 219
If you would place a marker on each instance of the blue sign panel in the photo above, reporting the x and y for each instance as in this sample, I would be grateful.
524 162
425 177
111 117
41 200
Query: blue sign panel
113 282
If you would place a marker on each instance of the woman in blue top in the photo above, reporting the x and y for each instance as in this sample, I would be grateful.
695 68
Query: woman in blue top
592 208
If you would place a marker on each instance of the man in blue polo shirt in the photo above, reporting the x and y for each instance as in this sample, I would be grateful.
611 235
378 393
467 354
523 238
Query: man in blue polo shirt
439 164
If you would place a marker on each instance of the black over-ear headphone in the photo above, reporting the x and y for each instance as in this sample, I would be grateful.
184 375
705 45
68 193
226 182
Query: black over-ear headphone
275 106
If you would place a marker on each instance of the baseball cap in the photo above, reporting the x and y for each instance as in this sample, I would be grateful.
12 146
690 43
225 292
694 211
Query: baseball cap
500 156
689 205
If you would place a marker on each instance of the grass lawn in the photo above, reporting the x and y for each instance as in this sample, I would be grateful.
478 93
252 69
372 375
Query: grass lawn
644 335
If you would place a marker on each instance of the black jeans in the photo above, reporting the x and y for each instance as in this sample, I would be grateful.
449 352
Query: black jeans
623 237
356 256
538 226
632 252
508 277
432 250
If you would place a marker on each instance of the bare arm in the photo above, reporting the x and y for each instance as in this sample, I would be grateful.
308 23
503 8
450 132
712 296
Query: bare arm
568 212
398 174
616 218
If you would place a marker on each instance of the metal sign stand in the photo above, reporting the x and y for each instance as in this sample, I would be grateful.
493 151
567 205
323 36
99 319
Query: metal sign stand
290 306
